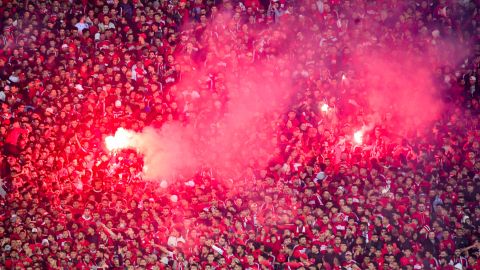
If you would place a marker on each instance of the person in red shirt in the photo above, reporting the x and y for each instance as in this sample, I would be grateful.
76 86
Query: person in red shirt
210 261
408 259
422 215
86 262
473 263
274 244
13 136
250 264
379 258
447 242
301 248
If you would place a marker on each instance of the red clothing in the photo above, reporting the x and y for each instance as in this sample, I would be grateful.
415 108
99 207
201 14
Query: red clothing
423 218
410 260
14 134
83 265
380 261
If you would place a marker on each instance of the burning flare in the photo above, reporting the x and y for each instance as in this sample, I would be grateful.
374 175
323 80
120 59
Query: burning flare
121 140
325 107
358 137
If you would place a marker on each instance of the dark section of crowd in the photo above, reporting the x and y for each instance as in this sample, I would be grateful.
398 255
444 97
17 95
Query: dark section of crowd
72 72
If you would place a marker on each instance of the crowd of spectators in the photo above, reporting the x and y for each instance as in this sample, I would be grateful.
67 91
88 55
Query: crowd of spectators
72 72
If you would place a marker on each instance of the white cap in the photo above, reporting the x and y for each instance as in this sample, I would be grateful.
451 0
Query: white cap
458 266
321 175
118 103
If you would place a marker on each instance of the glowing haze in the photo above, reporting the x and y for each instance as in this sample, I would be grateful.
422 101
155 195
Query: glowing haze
231 99
228 127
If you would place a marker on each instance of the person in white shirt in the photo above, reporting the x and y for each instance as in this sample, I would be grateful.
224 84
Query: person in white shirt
81 25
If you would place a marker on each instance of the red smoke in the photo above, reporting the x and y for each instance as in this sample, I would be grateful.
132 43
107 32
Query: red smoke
231 93
399 89
230 103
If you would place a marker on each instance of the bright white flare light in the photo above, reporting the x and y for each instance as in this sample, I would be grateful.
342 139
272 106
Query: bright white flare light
325 107
358 137
121 140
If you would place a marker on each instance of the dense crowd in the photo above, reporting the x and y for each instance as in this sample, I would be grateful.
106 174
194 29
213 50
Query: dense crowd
72 72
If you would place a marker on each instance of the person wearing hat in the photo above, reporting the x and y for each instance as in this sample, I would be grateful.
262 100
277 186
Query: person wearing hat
349 262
